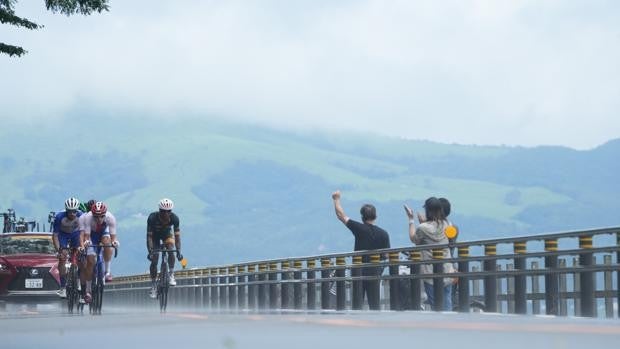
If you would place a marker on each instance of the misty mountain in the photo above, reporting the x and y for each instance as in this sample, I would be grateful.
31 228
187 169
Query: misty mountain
245 192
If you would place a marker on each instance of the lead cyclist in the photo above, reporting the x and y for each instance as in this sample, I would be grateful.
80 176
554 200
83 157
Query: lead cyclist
97 226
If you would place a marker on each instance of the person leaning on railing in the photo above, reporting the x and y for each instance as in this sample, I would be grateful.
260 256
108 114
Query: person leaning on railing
368 236
431 231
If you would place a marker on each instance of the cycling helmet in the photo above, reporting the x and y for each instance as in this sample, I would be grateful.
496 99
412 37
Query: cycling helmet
90 203
166 204
99 209
83 207
72 204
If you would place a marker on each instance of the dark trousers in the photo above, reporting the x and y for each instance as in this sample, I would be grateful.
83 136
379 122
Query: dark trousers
370 288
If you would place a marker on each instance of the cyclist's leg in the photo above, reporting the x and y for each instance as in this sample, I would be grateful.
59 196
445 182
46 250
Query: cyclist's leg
63 241
170 245
88 273
107 256
171 258
153 266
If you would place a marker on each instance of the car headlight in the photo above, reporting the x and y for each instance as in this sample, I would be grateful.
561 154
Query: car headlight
3 267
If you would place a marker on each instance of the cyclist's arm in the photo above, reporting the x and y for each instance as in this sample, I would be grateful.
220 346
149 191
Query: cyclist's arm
55 241
84 229
112 227
149 241
177 232
177 240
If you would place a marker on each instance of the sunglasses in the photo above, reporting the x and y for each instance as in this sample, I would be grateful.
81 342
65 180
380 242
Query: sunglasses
71 211
99 216
165 211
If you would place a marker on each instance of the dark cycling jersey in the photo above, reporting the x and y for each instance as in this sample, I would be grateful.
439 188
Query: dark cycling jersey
160 230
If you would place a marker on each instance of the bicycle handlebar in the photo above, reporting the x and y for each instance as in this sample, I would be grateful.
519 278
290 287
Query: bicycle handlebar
110 245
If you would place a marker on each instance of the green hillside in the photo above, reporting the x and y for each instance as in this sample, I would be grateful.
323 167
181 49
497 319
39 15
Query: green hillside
245 192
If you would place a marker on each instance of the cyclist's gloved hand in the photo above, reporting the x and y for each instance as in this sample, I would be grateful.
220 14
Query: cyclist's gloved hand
150 256
86 243
116 243
179 255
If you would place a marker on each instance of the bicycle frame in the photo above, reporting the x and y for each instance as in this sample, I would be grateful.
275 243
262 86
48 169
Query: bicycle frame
98 281
72 278
163 278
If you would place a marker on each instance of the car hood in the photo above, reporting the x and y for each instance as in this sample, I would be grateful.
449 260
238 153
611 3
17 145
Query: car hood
31 260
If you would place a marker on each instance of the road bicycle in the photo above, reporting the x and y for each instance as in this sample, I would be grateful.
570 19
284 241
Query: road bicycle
163 279
98 282
72 286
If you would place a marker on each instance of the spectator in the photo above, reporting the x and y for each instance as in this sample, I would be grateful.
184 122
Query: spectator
368 236
431 232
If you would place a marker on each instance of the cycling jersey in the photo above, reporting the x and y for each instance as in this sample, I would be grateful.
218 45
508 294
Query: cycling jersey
67 230
89 225
160 230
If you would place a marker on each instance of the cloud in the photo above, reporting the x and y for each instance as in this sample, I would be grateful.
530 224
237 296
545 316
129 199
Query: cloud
475 72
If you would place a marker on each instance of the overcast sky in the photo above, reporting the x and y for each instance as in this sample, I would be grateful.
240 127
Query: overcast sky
471 72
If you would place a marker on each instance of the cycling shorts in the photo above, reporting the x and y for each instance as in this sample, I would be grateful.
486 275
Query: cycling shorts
71 239
95 239
165 237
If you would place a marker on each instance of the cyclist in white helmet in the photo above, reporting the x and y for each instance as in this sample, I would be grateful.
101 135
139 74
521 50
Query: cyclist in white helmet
163 226
66 233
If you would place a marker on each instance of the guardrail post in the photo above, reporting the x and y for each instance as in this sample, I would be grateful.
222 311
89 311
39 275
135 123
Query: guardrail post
340 286
263 287
241 286
297 296
394 283
252 287
311 285
438 281
618 273
357 297
273 287
520 283
535 290
214 289
374 297
609 300
576 288
222 288
587 282
325 263
552 279
232 288
463 285
563 306
415 283
285 288
204 293
490 281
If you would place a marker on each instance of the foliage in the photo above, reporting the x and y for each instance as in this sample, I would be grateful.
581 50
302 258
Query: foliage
67 7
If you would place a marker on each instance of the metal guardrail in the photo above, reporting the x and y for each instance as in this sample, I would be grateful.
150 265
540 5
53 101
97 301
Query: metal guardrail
536 276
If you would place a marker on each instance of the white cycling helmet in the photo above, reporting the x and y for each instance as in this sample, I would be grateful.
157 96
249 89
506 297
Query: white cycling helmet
72 204
166 204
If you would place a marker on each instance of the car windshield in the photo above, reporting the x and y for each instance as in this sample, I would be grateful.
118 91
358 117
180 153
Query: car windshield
26 244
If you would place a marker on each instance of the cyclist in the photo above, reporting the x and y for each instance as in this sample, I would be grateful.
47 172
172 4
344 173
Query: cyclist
85 207
66 232
162 226
97 226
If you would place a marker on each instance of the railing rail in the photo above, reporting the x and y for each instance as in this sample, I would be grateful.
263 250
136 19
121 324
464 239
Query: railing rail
577 280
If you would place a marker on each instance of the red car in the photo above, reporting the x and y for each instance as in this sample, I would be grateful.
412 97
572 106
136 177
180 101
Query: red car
28 268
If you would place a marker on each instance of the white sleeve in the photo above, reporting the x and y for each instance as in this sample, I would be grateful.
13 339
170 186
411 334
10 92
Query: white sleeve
111 220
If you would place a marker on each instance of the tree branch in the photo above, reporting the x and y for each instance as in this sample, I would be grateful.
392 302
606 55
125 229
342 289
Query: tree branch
84 7
8 17
12 50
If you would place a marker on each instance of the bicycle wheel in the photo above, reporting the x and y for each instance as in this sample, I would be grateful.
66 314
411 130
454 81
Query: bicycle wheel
72 294
162 287
99 296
